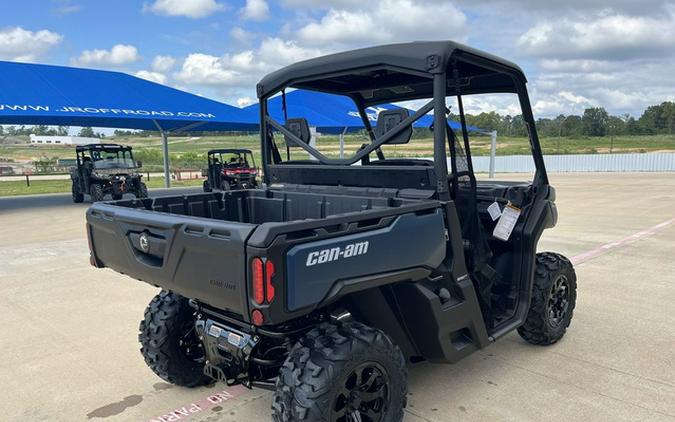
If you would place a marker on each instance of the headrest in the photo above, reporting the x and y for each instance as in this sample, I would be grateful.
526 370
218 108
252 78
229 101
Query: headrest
389 119
298 127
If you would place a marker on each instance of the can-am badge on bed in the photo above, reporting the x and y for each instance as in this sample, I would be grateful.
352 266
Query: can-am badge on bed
333 254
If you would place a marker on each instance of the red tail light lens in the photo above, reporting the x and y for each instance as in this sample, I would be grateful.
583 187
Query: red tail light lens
257 317
258 282
269 288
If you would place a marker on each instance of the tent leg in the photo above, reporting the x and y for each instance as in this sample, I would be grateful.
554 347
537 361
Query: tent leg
165 151
342 143
493 153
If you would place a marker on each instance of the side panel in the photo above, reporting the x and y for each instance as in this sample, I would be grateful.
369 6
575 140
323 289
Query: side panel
410 241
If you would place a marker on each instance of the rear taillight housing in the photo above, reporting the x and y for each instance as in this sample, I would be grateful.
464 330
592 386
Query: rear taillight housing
261 276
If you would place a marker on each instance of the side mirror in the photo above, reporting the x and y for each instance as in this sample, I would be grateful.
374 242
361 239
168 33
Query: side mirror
298 127
139 163
389 119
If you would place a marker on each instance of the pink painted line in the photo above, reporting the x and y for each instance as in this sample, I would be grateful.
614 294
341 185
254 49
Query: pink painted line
186 411
603 249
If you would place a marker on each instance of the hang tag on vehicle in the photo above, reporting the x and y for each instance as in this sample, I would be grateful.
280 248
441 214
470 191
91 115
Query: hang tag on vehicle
494 210
506 222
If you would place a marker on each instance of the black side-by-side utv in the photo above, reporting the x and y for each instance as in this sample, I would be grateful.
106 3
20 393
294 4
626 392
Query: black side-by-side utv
106 169
230 169
327 282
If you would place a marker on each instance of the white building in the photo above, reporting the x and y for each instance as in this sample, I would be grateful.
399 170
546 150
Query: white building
62 140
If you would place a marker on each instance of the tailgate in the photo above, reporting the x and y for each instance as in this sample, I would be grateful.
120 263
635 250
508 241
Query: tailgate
199 258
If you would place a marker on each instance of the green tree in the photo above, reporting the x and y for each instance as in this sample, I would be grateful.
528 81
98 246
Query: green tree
595 121
572 126
87 132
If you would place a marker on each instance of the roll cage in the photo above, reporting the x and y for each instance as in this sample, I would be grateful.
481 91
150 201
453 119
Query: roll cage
395 73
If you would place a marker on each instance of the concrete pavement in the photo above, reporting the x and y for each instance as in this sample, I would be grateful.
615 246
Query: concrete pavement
68 350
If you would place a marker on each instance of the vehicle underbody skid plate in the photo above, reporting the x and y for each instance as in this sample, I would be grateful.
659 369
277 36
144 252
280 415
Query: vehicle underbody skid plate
227 352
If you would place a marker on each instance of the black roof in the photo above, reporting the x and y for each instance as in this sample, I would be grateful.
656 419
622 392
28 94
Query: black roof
396 72
230 150
101 147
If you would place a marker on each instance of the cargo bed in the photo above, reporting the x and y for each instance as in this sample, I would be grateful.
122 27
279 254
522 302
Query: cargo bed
197 245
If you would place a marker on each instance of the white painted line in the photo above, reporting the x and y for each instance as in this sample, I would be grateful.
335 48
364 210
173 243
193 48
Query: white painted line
602 249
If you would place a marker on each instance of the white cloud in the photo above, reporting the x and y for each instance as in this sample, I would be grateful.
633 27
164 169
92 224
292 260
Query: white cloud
387 21
256 10
241 35
163 64
245 101
194 9
22 45
245 66
118 55
603 36
157 77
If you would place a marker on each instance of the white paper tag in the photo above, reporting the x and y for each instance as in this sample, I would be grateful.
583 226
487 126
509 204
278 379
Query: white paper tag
494 210
506 222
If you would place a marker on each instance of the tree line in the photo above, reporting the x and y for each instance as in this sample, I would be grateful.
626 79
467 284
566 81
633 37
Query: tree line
595 121
44 130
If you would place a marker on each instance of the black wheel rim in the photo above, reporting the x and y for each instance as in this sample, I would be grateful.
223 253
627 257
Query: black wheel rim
364 395
558 301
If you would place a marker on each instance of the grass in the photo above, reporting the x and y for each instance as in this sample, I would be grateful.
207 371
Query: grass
14 188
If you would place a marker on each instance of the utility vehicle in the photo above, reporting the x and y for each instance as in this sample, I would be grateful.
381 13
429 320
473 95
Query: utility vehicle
103 169
325 284
230 169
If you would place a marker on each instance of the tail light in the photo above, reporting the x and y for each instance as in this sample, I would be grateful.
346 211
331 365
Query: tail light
269 288
258 282
261 275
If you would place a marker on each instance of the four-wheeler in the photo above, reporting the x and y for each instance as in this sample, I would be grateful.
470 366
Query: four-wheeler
230 169
326 283
103 169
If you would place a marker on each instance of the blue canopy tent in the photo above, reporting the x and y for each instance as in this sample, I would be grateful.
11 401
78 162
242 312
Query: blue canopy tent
36 94
331 113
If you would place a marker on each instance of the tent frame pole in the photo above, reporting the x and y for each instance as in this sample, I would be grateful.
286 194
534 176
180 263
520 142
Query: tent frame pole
165 153
493 152
342 143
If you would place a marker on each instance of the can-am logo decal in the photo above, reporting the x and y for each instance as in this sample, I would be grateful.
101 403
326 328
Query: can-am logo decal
333 254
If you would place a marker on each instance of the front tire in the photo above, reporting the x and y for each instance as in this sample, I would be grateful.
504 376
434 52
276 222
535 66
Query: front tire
96 192
207 186
342 372
554 296
142 190
78 197
169 343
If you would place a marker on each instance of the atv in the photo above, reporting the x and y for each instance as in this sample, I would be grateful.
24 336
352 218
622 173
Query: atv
325 284
230 169
103 169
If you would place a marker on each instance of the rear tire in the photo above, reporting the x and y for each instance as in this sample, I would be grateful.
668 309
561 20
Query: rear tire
554 296
78 197
338 370
96 192
169 343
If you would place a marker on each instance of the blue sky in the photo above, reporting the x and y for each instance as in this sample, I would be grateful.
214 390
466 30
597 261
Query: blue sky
618 54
